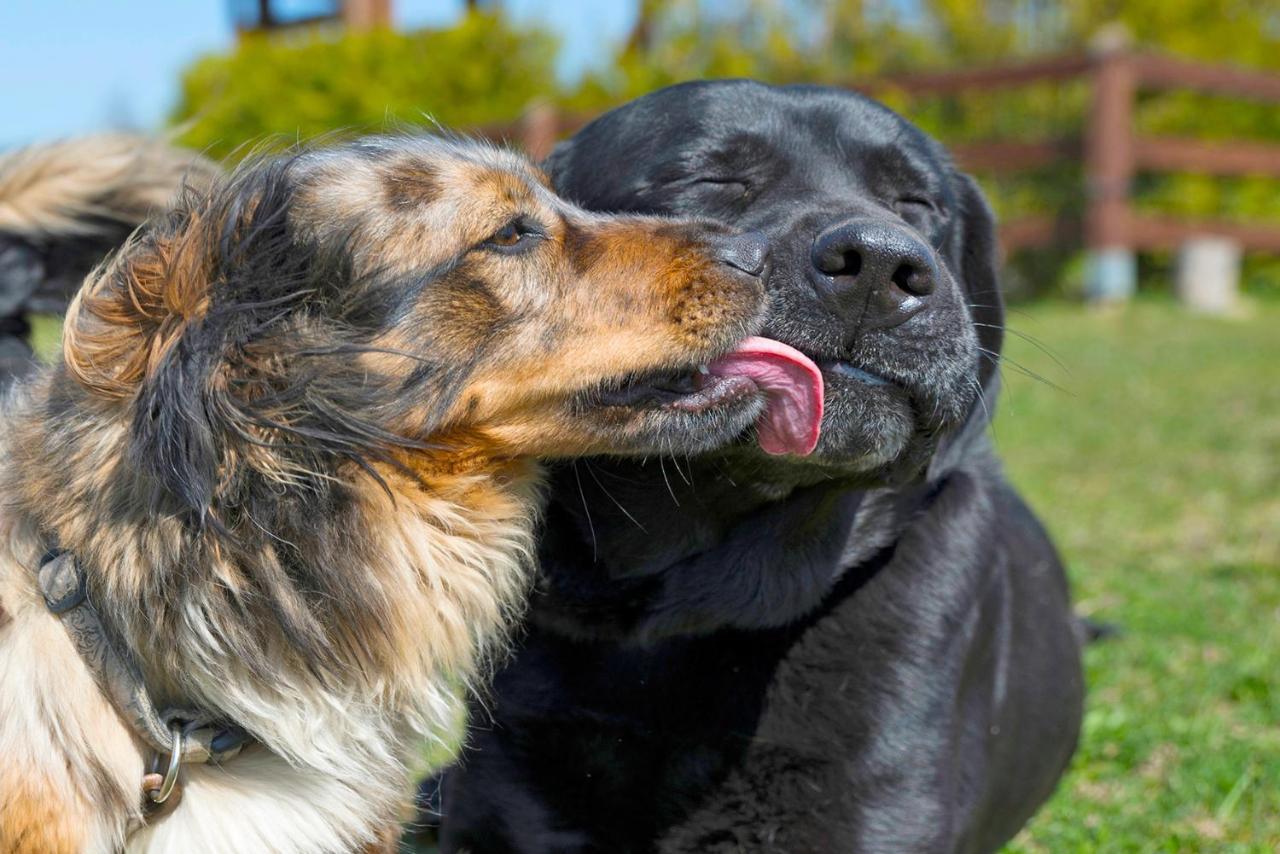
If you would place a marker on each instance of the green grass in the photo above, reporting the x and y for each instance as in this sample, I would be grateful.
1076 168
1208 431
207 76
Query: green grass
1156 465
46 330
1157 468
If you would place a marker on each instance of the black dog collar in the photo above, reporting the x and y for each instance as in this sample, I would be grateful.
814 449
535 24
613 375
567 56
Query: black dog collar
176 736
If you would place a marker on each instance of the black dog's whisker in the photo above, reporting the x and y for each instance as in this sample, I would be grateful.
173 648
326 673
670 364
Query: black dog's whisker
1004 361
586 510
591 471
980 394
663 467
1030 339
676 462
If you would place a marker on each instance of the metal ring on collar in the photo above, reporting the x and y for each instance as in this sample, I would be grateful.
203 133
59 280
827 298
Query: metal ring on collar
160 795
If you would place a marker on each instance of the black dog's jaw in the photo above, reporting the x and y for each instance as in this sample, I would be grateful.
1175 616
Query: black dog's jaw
867 650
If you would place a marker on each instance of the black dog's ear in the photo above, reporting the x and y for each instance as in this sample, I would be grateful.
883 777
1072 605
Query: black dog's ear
566 170
585 169
974 252
557 161
977 251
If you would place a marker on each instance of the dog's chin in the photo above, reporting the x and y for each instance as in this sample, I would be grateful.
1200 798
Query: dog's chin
869 421
866 435
873 434
669 416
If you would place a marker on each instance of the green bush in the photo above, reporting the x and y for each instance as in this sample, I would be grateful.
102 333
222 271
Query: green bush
480 71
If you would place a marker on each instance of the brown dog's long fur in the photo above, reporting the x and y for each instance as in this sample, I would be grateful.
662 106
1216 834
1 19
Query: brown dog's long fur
292 439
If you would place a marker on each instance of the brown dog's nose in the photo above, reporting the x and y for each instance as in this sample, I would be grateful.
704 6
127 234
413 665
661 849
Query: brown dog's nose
877 268
748 252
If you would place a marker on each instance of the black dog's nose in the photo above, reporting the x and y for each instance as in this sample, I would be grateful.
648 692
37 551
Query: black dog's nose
748 252
876 267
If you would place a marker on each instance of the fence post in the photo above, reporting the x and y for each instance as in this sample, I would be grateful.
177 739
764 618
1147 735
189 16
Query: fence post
539 128
361 15
1208 277
1109 160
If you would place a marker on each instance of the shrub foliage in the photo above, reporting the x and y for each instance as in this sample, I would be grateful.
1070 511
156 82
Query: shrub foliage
480 71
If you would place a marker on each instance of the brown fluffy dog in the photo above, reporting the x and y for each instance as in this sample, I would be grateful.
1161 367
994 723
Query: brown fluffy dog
291 442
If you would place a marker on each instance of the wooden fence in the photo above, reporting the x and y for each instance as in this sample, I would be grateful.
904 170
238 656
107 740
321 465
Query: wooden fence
1110 149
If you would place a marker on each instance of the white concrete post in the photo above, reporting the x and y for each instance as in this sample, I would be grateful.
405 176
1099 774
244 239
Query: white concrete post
1208 277
1111 275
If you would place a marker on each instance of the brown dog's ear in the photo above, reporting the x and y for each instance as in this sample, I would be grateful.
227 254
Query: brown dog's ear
194 326
137 333
132 309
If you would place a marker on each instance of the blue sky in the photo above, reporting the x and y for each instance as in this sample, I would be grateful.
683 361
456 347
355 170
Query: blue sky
70 66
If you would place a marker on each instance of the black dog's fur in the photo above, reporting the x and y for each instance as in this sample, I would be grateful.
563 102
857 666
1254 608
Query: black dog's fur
868 650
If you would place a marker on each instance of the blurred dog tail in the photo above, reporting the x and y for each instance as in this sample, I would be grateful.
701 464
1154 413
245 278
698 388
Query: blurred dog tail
1089 631
64 206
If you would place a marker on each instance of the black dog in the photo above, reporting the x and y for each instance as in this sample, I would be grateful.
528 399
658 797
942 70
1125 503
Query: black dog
869 649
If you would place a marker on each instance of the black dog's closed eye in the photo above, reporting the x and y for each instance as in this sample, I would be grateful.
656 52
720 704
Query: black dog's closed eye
912 208
921 213
738 187
721 182
518 235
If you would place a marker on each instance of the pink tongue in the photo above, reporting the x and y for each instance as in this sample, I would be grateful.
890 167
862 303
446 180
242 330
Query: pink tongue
793 415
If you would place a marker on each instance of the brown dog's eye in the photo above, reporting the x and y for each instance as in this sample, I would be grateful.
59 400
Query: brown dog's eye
514 236
508 235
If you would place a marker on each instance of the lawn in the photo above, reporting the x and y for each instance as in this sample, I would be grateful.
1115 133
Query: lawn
1156 464
1153 453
